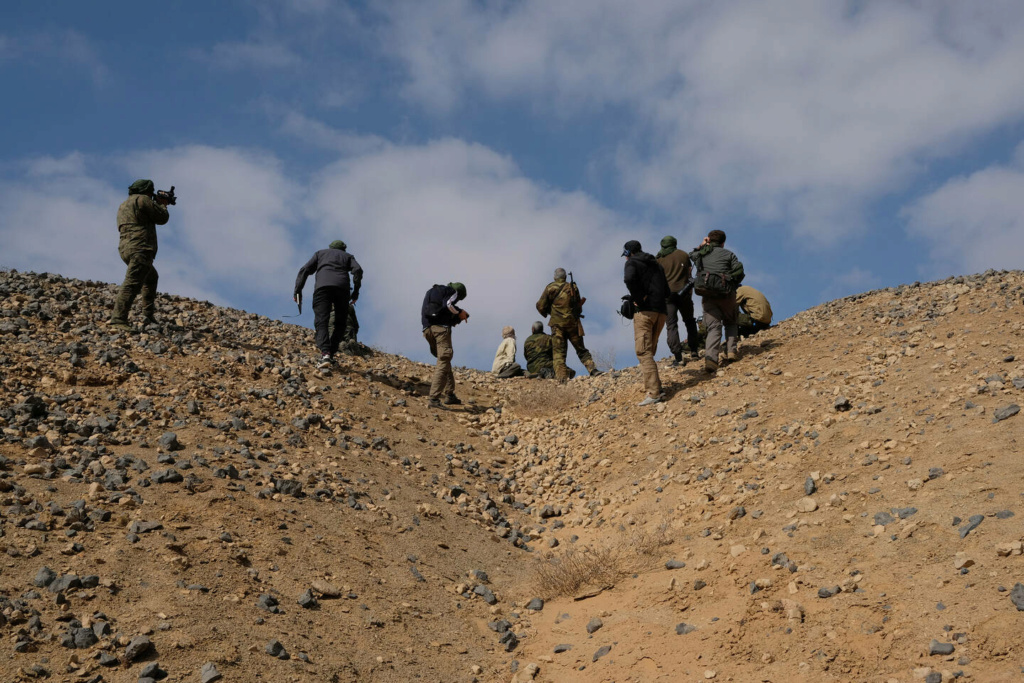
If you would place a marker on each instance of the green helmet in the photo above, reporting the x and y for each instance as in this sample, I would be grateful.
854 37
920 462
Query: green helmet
141 186
338 244
459 288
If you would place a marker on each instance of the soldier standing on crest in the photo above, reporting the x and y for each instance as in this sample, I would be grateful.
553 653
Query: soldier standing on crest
137 218
561 300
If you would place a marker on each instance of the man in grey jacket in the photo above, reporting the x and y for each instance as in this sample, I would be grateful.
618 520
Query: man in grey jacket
719 272
331 293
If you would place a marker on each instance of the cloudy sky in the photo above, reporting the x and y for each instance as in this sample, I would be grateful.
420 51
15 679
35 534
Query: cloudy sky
841 145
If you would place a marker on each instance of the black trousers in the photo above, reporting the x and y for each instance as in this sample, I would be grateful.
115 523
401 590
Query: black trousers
326 299
681 304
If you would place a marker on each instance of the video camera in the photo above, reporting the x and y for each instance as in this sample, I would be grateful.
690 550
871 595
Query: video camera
167 196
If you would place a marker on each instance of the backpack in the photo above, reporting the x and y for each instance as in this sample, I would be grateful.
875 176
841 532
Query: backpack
713 285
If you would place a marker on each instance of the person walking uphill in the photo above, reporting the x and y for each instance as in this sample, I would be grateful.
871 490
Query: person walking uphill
719 272
439 315
561 300
137 218
676 264
648 290
330 294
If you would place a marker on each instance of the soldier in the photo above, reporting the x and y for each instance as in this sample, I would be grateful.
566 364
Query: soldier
756 306
330 294
648 290
719 272
137 218
439 315
537 349
561 300
676 264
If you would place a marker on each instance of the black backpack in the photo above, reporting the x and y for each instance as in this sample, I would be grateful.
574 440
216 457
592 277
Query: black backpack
713 285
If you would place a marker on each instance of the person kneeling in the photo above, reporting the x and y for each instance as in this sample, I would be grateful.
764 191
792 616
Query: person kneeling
505 364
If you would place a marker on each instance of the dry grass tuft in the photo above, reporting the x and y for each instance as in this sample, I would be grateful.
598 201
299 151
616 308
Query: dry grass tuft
600 566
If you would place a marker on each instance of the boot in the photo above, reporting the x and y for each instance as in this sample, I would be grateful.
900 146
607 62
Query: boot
710 365
119 324
677 359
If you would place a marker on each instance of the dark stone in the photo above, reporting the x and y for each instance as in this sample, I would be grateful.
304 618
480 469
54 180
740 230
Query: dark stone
307 600
675 564
972 523
209 673
288 487
139 527
1005 412
601 652
500 626
153 670
842 404
824 592
683 628
699 584
44 577
509 640
1017 596
168 476
275 649
564 647
486 593
884 518
809 486
139 646
536 604
169 442
269 603
1004 514
937 648
594 625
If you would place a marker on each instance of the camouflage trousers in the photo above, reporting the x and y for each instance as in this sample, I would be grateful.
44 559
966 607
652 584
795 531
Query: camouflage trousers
141 277
561 337
442 384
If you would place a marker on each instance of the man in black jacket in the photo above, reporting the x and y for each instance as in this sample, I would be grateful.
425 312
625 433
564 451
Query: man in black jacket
439 315
331 293
649 292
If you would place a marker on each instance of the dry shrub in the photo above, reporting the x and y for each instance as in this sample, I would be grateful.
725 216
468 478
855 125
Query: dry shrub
599 566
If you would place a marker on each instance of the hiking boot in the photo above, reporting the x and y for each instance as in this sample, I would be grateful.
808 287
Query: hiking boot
732 357
710 365
594 372
434 403
650 401
119 324
694 355
325 361
452 400
678 360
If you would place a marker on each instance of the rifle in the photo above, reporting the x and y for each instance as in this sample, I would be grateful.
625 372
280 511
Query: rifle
298 300
167 196
578 309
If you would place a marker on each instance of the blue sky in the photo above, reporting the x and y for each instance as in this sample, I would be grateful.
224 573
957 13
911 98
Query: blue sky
842 146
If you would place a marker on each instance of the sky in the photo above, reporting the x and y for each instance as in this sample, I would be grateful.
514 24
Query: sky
842 146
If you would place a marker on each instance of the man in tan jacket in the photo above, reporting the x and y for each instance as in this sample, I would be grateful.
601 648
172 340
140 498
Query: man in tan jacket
756 305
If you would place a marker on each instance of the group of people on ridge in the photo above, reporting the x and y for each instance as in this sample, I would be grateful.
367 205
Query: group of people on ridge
660 292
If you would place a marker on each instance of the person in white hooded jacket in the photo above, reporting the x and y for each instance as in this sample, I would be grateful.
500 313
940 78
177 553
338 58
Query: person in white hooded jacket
505 364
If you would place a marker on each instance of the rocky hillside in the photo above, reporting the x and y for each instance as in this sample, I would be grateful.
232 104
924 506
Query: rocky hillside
196 502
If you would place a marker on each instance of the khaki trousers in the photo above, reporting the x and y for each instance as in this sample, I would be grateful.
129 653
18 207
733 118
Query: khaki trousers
647 327
719 313
440 340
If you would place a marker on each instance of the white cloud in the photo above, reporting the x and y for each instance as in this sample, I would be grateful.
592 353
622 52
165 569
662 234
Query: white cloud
452 211
798 112
974 222
253 54
228 234
319 134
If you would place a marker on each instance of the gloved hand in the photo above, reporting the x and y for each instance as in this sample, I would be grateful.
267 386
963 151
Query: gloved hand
463 316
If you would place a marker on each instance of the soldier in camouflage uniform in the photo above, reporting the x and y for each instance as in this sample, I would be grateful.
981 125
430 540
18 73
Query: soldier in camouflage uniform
562 301
137 218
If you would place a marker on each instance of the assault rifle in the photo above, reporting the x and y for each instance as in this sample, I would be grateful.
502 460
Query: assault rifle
167 196
578 308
